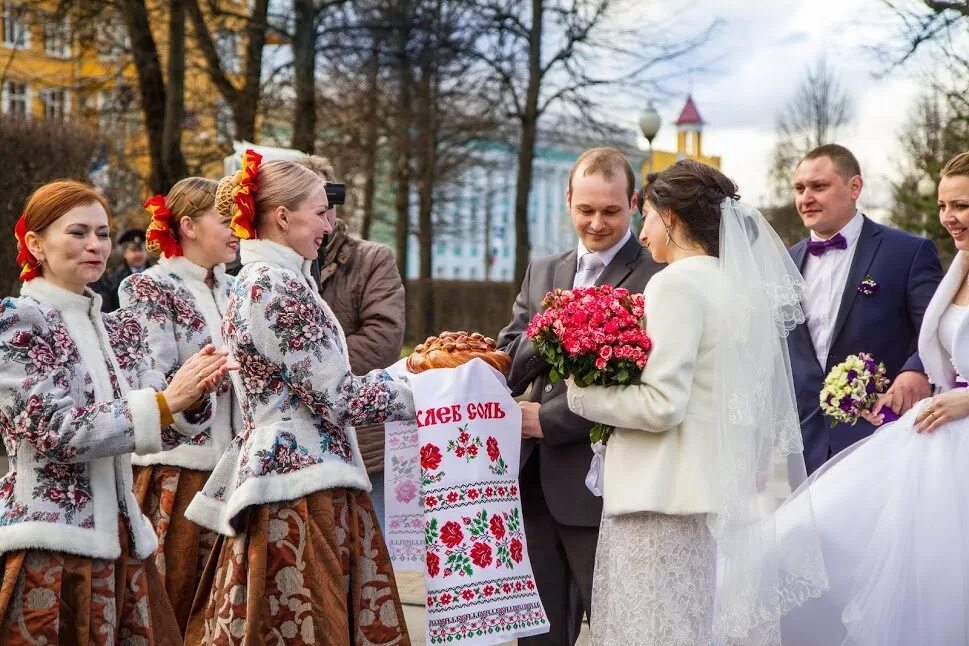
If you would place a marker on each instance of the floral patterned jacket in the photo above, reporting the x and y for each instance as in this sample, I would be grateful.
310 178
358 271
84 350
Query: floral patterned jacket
77 397
181 315
299 399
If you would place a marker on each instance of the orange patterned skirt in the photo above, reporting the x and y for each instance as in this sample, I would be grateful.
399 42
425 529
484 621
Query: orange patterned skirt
309 571
57 598
163 492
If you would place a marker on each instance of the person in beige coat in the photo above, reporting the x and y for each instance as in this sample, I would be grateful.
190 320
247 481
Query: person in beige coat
696 440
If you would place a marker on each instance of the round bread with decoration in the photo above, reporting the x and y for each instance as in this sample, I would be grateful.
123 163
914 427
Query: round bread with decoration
452 349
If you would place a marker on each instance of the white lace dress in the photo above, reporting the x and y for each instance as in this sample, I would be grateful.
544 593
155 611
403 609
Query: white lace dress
654 581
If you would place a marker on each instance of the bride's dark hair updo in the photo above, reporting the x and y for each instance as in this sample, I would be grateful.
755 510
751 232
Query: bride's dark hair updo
693 192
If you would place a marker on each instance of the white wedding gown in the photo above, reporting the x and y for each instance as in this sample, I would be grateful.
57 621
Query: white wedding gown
893 513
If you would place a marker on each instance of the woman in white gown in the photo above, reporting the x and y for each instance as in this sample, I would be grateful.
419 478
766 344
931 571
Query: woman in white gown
893 509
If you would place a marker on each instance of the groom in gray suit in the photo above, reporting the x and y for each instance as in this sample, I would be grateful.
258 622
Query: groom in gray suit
561 516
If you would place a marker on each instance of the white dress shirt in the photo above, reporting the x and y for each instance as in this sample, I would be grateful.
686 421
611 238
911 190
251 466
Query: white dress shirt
825 277
605 257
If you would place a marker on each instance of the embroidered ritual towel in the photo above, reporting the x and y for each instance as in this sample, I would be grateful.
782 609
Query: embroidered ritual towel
456 470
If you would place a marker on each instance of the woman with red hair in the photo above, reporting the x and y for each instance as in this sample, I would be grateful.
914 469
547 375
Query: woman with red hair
77 398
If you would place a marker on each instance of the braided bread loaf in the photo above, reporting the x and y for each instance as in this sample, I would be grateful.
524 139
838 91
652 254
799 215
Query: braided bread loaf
452 349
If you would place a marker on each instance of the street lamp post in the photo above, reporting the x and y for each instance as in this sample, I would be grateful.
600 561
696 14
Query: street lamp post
649 123
925 188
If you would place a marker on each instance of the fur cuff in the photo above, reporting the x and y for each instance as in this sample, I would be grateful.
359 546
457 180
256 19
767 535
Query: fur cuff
145 539
146 419
209 513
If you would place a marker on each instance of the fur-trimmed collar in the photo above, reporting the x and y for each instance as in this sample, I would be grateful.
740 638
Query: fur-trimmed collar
65 300
189 271
935 359
253 251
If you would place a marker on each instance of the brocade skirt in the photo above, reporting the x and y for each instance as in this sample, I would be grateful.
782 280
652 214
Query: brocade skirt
53 598
163 492
309 571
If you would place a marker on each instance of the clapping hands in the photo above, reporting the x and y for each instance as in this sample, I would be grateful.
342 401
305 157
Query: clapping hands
201 374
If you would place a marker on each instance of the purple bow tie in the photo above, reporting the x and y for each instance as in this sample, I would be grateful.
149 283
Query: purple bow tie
820 247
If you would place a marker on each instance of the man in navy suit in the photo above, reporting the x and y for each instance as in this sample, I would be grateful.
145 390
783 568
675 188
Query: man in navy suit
844 249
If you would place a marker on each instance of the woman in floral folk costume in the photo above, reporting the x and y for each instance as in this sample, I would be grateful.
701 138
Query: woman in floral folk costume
180 303
301 559
77 397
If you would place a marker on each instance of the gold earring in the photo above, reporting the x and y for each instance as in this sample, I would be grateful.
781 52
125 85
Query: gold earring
669 236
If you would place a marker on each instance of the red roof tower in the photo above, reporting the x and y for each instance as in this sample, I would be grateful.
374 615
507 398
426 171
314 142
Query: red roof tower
689 116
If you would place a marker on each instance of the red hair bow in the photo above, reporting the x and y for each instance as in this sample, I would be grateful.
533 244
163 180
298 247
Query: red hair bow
159 238
29 267
244 213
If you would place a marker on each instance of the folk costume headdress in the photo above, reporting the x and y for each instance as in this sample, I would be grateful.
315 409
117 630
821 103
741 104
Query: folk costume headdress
160 239
244 196
29 267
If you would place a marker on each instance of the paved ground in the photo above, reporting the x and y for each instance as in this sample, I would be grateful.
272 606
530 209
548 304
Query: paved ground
411 585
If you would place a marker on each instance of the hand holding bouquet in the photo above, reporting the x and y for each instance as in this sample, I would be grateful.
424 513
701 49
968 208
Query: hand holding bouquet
593 335
852 387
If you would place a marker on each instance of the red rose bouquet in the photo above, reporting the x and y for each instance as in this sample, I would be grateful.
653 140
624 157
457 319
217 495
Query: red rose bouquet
595 335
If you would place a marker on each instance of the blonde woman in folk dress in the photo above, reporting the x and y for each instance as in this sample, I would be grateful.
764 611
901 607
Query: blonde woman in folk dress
77 397
302 559
180 303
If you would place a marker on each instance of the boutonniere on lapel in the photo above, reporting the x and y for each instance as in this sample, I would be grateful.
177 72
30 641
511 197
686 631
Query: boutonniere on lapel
868 286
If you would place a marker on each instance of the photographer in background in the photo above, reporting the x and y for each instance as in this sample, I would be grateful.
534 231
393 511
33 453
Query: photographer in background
358 279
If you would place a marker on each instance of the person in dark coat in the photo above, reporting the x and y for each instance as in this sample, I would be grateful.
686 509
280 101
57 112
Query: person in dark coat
561 515
134 261
844 249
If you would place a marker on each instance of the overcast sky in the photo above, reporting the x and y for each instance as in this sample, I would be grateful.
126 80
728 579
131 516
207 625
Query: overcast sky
758 56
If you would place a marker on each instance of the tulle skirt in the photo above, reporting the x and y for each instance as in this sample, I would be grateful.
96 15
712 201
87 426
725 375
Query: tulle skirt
893 513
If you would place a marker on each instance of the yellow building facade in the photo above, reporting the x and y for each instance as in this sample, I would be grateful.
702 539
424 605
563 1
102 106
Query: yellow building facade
53 69
689 143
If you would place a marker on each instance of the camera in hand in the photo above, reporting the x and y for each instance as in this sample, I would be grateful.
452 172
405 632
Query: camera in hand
336 194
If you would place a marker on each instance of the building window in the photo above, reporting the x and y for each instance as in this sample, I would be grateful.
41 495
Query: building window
108 110
16 30
55 104
457 249
227 45
440 248
474 250
473 214
57 37
473 273
506 251
112 39
16 100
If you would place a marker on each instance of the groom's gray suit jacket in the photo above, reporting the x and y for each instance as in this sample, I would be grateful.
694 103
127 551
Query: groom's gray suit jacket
564 453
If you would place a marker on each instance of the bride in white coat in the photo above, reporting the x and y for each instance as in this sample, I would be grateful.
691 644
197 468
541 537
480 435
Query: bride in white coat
893 509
